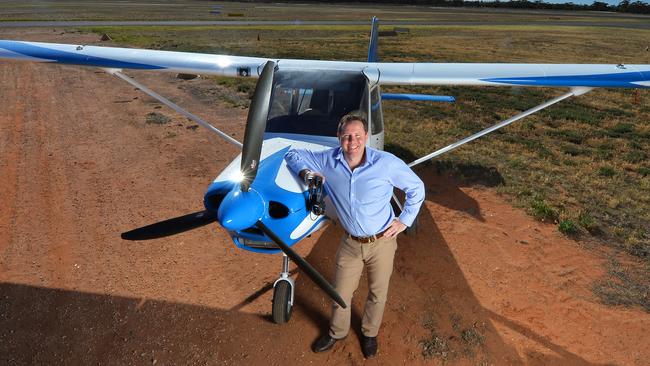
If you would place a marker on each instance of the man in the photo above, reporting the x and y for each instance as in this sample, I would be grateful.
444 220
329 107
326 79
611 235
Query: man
360 180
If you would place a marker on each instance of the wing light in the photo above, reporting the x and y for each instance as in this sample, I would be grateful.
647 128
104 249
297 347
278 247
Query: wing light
224 62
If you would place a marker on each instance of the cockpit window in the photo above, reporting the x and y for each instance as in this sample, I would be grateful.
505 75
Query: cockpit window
312 102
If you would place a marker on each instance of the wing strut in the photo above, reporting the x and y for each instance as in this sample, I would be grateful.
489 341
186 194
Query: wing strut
173 106
574 92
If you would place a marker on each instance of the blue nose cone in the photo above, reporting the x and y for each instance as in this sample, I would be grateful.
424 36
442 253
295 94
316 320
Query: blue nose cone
240 210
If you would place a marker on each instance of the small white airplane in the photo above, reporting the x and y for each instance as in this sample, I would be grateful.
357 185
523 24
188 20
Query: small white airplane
297 103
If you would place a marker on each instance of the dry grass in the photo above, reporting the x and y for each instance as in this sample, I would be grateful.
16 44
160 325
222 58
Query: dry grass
625 286
48 10
462 341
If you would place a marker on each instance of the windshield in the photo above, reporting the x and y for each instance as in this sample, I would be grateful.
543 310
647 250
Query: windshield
313 102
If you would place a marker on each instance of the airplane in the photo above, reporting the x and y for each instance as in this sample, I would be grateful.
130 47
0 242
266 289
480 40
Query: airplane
297 104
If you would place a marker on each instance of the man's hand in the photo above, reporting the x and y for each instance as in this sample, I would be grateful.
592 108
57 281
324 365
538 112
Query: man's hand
395 228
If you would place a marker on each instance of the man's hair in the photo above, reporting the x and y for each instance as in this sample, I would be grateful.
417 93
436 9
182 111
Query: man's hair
354 116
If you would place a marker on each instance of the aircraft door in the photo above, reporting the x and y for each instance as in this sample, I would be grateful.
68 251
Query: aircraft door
376 119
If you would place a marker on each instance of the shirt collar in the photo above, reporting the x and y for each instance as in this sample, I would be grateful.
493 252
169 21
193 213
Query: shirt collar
371 155
338 153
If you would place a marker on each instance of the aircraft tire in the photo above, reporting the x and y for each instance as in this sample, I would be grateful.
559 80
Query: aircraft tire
281 307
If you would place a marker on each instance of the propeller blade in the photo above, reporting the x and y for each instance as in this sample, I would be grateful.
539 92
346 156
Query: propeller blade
255 125
304 265
170 227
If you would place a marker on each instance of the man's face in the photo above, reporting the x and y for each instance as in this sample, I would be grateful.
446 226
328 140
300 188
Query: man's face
353 139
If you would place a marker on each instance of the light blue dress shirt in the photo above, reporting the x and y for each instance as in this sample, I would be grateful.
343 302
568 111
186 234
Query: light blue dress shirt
362 197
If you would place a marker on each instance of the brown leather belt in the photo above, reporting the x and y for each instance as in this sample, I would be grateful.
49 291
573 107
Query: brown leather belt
367 239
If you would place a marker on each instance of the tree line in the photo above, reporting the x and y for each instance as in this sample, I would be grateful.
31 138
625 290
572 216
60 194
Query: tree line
625 6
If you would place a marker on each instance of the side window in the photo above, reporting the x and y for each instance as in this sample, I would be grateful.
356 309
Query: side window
281 103
304 100
376 117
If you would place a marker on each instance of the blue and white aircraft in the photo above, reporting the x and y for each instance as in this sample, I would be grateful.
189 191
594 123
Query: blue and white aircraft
297 103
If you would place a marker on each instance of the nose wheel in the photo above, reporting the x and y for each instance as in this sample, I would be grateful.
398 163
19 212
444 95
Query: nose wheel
283 290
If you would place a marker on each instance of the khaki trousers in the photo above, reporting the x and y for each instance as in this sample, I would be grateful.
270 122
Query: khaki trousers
350 259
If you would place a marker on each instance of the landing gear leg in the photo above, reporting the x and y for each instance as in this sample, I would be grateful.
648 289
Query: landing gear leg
283 289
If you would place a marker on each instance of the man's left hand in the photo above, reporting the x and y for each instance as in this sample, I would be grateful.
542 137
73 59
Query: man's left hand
395 228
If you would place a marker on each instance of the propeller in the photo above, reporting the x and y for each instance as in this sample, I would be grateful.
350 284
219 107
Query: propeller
252 149
244 207
313 274
169 227
248 201
255 126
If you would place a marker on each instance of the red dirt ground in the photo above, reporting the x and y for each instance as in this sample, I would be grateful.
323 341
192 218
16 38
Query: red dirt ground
79 165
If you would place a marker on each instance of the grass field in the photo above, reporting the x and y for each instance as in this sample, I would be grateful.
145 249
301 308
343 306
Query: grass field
583 165
51 10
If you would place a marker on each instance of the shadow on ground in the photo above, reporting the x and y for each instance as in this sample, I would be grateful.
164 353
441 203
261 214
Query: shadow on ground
432 314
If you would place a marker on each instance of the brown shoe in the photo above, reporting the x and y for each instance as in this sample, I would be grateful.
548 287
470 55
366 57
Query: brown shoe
324 343
369 346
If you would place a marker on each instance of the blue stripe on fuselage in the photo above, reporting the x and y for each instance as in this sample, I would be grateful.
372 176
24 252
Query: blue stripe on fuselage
64 57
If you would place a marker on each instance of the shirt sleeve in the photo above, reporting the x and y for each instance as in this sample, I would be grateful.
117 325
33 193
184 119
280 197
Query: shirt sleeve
300 159
405 179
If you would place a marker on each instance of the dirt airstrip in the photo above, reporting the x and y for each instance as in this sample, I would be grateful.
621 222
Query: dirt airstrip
481 283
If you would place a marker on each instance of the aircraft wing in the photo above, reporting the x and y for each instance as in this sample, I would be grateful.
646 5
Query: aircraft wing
550 75
130 58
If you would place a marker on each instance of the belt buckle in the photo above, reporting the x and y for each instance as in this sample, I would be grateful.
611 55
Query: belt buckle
364 239
369 239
